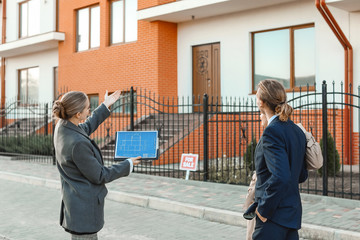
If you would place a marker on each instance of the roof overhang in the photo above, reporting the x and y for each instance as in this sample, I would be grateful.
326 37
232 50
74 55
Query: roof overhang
347 5
186 10
32 44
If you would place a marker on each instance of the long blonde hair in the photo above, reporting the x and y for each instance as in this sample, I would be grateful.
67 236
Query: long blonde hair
273 93
70 104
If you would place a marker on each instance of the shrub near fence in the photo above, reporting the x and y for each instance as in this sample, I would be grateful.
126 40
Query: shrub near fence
34 145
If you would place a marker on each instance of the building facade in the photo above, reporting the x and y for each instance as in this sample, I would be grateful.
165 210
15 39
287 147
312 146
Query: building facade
176 47
29 50
107 48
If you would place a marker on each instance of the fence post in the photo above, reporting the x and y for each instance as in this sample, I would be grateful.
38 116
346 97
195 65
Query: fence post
131 109
46 119
325 132
206 150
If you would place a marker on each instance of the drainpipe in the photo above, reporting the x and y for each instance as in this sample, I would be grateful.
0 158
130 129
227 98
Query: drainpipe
348 52
3 40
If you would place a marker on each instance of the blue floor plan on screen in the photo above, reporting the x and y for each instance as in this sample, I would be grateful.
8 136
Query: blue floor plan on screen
136 143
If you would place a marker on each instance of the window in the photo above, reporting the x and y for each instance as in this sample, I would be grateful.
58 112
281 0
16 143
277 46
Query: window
123 21
94 101
123 104
28 91
287 55
88 28
56 82
29 18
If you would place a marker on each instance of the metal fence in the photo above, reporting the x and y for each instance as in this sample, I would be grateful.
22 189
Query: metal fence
26 131
223 132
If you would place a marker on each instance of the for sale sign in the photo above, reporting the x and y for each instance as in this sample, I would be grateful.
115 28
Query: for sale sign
189 162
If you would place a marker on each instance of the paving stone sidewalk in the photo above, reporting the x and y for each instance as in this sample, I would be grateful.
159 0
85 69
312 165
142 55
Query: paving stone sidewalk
323 217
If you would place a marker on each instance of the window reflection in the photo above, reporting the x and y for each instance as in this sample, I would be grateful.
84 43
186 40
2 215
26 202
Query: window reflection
29 18
88 28
23 86
94 101
29 85
33 85
287 55
304 50
124 103
117 22
272 55
23 19
83 29
130 20
34 17
95 27
123 21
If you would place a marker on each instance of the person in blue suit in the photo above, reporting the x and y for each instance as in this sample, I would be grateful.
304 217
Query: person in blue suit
280 167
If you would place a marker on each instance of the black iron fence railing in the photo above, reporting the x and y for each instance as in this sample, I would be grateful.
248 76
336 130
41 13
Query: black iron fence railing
222 131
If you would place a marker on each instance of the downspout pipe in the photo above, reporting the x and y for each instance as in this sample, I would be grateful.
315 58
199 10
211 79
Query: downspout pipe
3 40
348 52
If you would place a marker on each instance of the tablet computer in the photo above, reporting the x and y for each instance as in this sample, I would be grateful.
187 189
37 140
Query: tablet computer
130 144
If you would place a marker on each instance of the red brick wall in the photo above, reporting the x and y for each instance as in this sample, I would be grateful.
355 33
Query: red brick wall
167 52
149 63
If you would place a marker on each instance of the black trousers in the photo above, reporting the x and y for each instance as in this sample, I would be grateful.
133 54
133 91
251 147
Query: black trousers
272 231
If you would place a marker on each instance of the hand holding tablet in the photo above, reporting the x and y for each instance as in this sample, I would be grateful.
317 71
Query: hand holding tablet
131 144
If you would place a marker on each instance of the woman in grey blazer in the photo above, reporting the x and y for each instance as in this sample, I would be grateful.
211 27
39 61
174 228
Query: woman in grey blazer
80 164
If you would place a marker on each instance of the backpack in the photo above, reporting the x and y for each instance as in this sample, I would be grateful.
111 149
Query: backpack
313 155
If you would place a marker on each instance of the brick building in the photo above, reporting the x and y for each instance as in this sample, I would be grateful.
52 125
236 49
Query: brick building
175 48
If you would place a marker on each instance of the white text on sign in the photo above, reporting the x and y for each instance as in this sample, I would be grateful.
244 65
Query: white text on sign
189 162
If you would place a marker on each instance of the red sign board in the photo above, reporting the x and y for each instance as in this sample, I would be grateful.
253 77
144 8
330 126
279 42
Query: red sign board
189 162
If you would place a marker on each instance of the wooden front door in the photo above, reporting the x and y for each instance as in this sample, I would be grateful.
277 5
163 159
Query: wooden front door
206 71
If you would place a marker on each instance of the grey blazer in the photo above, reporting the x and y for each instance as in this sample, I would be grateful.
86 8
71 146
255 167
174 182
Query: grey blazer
83 174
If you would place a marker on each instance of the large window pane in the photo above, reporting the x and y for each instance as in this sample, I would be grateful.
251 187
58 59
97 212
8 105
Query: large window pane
130 20
94 101
22 86
23 19
29 85
117 22
287 55
304 51
56 82
88 28
272 56
29 18
124 103
33 85
34 17
83 29
95 27
123 21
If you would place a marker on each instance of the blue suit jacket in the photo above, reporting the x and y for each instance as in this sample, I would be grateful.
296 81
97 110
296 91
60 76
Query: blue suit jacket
280 167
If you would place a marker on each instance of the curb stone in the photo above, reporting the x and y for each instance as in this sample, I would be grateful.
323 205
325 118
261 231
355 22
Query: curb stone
308 231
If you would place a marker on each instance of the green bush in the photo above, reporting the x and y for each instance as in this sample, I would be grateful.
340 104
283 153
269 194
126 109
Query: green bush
249 155
333 158
38 145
